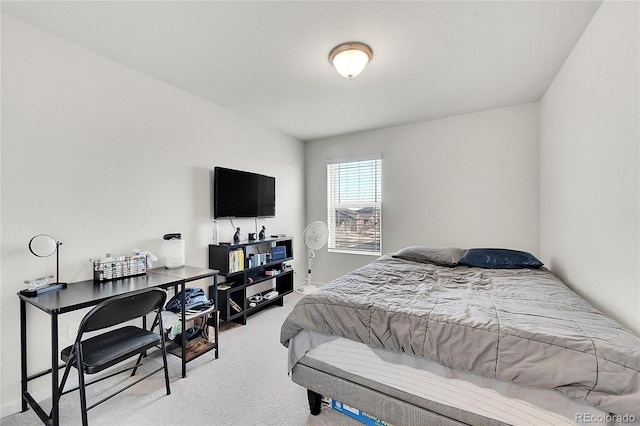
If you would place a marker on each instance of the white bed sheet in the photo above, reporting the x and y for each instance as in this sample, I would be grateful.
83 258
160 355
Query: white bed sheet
508 402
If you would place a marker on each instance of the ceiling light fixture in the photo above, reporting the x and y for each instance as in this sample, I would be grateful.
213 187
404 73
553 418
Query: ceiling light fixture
349 59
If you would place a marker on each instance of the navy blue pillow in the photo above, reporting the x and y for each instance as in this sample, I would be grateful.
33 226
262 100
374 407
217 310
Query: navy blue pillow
495 258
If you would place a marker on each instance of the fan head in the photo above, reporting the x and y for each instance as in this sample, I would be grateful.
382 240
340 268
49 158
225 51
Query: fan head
316 235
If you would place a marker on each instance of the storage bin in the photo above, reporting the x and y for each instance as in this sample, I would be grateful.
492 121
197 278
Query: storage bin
119 267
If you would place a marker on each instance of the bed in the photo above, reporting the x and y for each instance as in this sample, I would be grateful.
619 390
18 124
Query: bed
449 336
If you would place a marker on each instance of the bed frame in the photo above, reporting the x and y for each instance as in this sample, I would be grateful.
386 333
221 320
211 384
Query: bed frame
381 401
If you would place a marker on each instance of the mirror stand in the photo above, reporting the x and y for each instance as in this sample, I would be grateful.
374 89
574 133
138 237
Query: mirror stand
43 245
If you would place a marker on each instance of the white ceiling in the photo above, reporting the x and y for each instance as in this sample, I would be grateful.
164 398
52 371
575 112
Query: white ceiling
268 60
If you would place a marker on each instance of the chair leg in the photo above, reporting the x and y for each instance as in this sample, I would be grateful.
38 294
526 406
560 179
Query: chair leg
65 376
138 363
158 321
166 369
81 386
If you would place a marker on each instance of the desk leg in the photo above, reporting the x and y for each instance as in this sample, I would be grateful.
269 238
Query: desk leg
23 354
184 326
55 391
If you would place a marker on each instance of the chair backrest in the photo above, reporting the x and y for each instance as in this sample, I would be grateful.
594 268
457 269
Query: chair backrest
123 308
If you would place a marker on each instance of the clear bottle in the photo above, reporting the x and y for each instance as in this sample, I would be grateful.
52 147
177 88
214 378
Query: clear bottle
216 233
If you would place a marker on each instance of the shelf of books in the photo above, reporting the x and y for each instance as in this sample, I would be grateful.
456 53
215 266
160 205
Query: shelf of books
248 264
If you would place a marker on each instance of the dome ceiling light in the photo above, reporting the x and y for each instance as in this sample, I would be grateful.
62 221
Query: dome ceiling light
349 59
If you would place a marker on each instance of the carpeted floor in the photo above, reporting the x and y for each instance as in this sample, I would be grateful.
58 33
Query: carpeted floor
247 385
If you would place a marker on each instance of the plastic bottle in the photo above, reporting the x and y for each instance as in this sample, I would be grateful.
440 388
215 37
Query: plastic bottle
216 233
108 265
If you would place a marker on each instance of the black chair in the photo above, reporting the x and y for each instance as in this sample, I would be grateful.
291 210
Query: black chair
95 354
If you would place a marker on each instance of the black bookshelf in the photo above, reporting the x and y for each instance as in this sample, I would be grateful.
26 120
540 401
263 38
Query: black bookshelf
247 264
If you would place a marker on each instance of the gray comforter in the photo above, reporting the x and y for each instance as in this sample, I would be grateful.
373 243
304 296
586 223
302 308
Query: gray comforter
521 325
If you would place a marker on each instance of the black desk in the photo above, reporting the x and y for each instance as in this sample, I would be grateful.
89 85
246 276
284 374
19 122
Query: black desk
89 293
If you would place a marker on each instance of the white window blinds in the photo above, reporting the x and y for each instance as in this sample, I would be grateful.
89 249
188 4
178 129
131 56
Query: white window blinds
354 206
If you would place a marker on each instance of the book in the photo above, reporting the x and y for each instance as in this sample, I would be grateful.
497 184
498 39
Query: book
278 252
240 254
236 261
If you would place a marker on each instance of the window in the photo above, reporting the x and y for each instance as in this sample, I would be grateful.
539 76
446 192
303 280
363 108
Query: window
354 206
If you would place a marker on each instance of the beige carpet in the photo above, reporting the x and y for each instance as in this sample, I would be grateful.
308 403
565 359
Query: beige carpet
247 385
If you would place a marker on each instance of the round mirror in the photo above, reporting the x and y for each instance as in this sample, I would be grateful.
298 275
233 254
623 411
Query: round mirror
43 245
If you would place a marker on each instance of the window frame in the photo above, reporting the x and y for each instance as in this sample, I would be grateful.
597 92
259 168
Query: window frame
376 204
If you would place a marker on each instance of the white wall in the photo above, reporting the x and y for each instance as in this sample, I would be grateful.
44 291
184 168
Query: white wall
105 158
465 181
589 179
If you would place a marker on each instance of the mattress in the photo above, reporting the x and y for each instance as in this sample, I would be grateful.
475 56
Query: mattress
522 325
506 402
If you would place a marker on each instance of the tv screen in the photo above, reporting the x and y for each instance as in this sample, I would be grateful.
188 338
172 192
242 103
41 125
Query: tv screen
238 193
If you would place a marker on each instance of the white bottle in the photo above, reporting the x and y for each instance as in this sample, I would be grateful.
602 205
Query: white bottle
216 233
108 266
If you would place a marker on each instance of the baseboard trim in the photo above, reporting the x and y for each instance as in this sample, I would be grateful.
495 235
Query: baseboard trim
15 406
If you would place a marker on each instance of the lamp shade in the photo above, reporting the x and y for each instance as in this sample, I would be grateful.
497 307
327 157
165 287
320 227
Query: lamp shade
349 59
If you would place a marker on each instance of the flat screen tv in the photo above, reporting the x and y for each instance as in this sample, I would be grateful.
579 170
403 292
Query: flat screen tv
243 194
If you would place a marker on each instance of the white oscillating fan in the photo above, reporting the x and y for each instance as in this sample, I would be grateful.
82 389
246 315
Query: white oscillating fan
315 237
